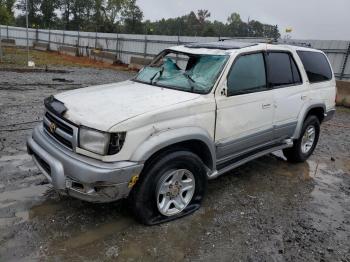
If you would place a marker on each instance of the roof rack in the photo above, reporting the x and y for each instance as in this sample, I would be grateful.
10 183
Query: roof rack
301 44
222 45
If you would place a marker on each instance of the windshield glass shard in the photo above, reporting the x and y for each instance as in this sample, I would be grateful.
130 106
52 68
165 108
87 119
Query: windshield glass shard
181 71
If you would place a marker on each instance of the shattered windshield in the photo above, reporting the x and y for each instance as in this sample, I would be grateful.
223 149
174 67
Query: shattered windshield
187 72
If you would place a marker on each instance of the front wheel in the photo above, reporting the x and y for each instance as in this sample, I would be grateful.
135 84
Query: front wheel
306 144
171 186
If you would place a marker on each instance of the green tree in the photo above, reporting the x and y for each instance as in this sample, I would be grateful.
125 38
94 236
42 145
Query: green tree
127 17
256 29
191 25
66 9
5 16
98 14
6 12
132 17
112 13
33 11
9 5
204 25
219 28
81 11
202 16
47 9
235 25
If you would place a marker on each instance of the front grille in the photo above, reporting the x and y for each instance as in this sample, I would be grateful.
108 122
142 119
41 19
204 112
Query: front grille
59 129
59 124
62 140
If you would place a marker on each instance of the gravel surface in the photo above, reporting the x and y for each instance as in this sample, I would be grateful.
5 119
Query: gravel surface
266 210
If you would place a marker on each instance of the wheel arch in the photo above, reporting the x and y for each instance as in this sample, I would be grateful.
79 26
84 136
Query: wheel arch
318 110
194 139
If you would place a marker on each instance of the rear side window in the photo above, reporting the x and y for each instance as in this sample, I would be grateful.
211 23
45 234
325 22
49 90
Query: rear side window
282 70
316 66
247 75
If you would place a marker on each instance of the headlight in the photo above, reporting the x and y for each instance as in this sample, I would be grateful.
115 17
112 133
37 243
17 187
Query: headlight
101 143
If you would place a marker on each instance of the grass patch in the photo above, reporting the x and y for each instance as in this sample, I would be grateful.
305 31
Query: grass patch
17 57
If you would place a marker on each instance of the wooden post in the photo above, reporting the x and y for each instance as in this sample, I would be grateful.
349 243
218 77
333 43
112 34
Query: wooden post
49 39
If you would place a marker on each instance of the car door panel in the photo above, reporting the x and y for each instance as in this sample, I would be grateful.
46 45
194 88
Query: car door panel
244 121
288 103
290 96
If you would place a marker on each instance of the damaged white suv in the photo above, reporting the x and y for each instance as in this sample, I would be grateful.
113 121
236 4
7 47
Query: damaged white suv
196 112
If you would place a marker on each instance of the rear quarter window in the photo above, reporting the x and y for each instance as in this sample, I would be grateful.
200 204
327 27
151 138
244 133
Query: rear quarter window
316 66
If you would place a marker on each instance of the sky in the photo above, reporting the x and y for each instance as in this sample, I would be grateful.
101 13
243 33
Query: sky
309 19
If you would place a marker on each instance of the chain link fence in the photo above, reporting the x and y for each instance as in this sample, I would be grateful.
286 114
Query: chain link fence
125 46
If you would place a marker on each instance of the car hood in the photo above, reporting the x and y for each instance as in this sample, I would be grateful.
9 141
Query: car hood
102 107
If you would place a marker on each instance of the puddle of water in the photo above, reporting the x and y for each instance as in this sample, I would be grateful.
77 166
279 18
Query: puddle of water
23 215
4 222
326 205
24 193
21 195
95 234
173 240
46 208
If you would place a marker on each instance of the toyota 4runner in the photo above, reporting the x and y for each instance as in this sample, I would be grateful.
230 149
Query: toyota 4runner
196 112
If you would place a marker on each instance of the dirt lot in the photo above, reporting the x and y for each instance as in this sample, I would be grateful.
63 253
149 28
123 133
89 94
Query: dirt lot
267 210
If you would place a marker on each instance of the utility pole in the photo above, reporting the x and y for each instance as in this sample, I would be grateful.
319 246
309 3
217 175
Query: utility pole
27 23
248 27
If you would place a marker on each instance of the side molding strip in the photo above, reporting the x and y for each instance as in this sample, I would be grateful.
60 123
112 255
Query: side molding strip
288 143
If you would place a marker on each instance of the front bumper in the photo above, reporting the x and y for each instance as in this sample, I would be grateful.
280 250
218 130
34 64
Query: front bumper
329 115
79 176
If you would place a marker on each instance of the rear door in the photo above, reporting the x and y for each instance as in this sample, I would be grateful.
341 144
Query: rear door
245 112
290 92
321 77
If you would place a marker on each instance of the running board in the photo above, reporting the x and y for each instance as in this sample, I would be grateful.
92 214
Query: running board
248 157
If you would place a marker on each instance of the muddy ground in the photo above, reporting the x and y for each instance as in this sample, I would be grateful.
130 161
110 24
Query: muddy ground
266 210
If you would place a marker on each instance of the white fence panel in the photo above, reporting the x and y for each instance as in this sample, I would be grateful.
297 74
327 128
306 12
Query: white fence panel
124 46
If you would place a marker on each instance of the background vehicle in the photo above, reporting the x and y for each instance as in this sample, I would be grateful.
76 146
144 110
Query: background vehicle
195 113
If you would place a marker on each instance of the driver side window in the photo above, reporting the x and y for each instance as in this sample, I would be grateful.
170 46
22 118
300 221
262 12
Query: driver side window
247 75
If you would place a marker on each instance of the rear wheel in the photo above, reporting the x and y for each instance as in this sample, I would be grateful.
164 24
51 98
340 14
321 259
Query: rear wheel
171 186
306 144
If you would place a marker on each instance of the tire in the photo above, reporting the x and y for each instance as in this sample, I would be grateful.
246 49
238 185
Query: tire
145 196
302 147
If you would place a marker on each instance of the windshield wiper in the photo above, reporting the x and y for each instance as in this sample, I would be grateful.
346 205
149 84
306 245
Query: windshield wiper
160 72
191 81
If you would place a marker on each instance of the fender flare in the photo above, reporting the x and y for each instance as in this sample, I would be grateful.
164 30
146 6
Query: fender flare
302 116
165 138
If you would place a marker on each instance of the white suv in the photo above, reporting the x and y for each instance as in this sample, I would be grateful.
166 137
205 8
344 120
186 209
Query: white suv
196 112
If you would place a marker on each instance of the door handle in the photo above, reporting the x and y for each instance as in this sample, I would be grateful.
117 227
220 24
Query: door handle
303 97
265 106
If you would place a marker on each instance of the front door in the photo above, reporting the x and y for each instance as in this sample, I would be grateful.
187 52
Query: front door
245 113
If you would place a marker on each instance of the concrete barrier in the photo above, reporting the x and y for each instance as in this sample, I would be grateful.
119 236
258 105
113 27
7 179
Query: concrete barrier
343 93
40 46
7 42
103 56
136 63
68 50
